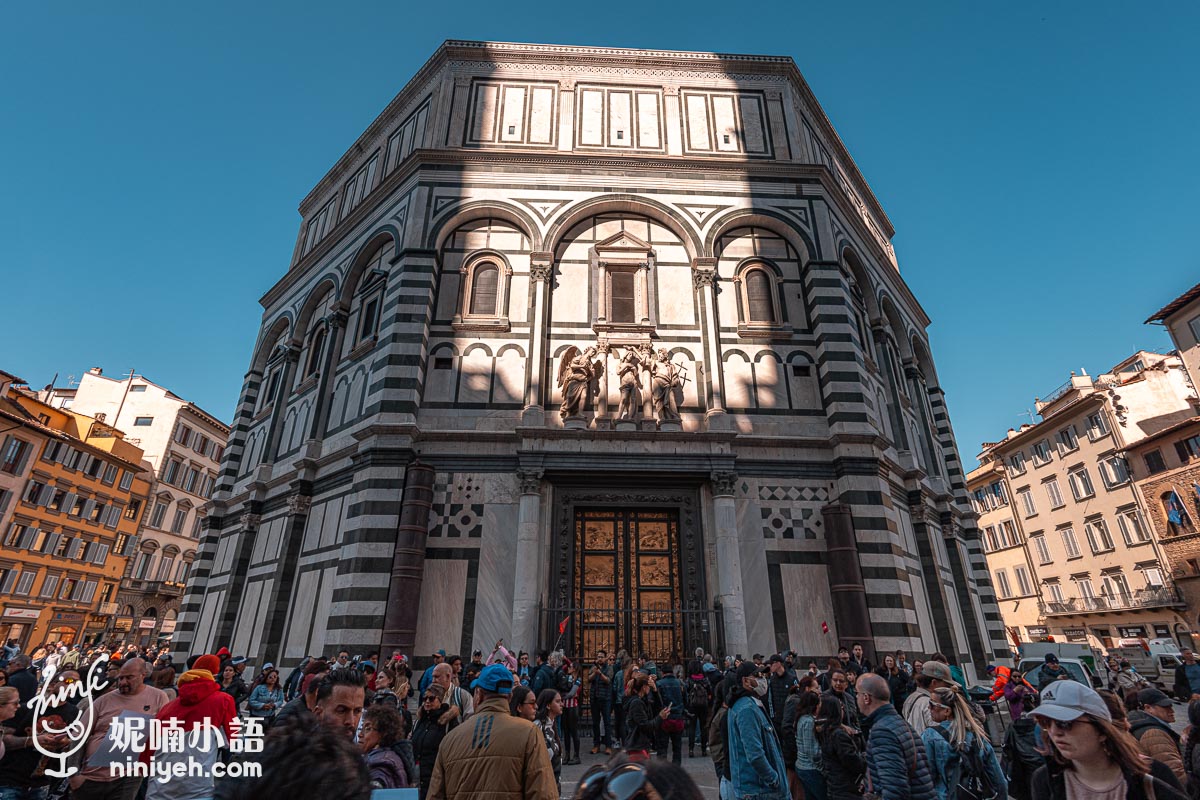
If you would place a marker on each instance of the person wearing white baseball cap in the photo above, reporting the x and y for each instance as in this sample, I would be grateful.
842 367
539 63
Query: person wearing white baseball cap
1088 755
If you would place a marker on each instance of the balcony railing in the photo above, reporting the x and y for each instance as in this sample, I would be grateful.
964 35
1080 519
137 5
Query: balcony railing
108 609
1146 598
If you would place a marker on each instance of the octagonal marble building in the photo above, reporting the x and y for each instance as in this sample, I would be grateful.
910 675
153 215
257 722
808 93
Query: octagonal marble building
593 347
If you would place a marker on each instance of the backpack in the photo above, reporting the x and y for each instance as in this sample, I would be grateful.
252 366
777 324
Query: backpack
968 774
562 681
697 696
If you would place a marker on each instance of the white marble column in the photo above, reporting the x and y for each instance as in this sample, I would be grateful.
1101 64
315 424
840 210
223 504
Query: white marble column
729 564
704 273
541 268
525 585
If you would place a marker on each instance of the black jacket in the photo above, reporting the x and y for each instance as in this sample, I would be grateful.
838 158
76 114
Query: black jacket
640 725
1051 785
844 764
1182 687
427 740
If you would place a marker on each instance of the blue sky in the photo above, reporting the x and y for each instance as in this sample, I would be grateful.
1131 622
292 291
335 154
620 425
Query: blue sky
1039 163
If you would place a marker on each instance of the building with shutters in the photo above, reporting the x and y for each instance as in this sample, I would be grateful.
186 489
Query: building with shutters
613 340
1166 465
72 527
182 445
1067 536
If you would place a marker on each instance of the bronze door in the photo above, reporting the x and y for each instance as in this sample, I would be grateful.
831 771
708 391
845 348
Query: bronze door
627 583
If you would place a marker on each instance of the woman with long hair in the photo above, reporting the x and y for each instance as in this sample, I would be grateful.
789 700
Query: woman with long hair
522 703
267 697
640 725
808 748
899 682
1086 754
844 764
549 709
955 739
428 734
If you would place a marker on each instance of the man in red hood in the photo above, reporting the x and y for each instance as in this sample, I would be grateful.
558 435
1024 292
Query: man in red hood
200 704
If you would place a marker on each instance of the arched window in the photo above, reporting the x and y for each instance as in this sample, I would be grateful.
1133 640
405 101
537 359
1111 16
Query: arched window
758 297
316 349
483 293
484 284
368 296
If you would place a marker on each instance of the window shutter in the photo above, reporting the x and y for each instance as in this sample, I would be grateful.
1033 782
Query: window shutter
68 503
26 582
78 593
101 555
483 290
46 495
51 545
10 578
49 585
27 538
113 516
130 546
89 591
758 297
24 457
88 506
74 548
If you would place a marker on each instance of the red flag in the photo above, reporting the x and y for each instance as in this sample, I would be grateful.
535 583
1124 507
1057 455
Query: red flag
562 626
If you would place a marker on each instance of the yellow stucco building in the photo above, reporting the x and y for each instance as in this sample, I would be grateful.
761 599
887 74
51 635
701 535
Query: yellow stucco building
70 530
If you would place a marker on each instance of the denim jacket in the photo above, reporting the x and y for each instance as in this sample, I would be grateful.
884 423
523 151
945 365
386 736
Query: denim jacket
755 761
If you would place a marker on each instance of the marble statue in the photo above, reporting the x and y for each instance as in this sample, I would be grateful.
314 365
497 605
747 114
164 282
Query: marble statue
665 378
630 374
576 371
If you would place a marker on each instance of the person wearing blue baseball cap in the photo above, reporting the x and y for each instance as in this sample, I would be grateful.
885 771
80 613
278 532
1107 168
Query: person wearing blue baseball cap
493 753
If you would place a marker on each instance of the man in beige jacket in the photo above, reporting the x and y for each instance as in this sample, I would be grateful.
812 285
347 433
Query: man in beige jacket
493 754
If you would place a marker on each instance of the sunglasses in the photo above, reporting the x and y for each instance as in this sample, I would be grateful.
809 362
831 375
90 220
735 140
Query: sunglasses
1057 724
430 699
623 783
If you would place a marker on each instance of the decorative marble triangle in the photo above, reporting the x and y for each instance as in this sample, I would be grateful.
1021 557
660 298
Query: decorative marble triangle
701 213
544 209
442 203
800 214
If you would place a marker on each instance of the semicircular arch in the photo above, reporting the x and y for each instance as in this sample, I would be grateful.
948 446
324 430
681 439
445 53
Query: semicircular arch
441 229
624 204
759 218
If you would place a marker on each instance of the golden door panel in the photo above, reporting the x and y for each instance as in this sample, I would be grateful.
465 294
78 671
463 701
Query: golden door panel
627 582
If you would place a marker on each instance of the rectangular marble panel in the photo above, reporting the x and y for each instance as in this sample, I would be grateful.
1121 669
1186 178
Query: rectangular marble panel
443 591
317 643
475 377
312 527
302 608
246 614
697 122
484 118
224 555
676 302
512 128
591 117
448 297
754 138
756 585
571 293
620 130
541 115
497 566
509 383
648 116
330 530
725 124
806 594
208 618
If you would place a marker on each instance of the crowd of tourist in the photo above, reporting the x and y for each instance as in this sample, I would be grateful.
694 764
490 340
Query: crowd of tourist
505 725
